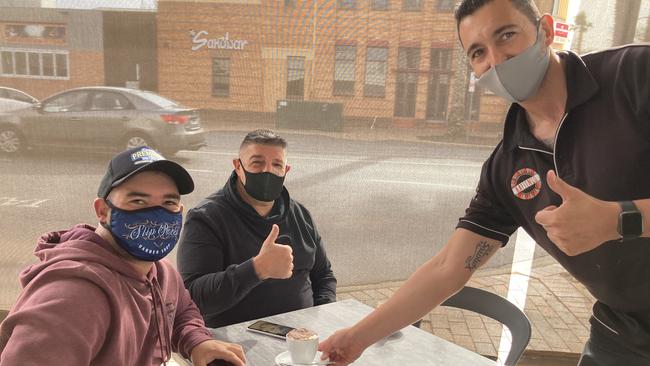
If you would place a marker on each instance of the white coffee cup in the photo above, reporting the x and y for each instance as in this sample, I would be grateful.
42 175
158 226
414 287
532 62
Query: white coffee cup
302 345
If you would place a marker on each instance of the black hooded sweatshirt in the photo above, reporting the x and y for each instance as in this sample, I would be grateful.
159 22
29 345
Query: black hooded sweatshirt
221 236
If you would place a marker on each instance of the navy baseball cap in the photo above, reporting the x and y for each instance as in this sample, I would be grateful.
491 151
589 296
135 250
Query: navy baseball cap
138 159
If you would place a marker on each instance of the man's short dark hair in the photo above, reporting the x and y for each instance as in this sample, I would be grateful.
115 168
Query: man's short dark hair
465 8
263 137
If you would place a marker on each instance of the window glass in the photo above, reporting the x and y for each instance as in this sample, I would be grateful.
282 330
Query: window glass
107 101
411 5
295 77
68 102
48 64
344 70
7 62
375 82
21 63
380 4
34 64
61 65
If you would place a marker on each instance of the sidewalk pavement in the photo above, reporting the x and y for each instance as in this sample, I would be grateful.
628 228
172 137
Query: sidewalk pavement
557 305
420 132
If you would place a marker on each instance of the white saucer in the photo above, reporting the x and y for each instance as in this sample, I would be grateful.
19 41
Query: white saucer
285 358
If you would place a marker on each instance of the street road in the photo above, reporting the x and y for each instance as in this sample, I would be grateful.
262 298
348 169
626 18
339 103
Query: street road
382 207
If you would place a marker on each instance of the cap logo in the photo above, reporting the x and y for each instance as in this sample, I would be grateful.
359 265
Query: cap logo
145 156
526 184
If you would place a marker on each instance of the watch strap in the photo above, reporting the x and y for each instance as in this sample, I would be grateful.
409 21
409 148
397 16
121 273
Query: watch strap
628 206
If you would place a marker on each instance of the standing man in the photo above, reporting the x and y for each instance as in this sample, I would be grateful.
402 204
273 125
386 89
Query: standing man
104 295
249 250
572 170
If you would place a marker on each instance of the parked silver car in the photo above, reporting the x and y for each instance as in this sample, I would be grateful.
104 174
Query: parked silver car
15 94
105 118
10 105
13 99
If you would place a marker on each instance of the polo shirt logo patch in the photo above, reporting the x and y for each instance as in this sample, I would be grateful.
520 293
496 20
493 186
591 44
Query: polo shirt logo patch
526 184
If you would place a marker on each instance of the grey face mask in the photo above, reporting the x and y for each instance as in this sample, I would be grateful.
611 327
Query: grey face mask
519 78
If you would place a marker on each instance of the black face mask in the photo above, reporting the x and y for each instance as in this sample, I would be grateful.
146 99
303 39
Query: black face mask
264 186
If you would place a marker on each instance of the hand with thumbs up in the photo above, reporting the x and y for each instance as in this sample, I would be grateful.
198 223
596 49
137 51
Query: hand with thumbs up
274 260
582 222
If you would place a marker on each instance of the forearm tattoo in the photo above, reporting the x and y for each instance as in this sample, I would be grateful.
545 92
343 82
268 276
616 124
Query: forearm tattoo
473 261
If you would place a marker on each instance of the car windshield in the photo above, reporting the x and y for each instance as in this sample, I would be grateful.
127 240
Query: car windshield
158 100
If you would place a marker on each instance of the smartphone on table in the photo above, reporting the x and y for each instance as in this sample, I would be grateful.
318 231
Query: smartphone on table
270 329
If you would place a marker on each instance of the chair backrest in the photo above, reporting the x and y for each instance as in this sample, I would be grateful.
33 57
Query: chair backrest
500 309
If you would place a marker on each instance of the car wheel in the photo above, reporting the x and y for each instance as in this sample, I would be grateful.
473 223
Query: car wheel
138 140
11 142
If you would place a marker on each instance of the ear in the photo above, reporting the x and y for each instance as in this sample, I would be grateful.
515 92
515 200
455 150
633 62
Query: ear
548 26
236 163
286 169
102 211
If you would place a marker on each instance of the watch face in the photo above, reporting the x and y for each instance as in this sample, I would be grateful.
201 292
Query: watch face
631 224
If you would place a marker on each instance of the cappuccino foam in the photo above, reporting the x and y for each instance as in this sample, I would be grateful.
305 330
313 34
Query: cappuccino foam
302 334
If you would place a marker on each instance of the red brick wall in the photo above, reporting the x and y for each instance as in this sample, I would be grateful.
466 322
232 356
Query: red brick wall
258 73
85 69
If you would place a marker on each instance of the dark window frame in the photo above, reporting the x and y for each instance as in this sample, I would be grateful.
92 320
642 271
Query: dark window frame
347 4
368 88
440 68
406 81
445 6
342 87
412 5
300 71
385 5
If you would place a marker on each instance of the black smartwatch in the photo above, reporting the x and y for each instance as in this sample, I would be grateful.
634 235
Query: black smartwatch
630 221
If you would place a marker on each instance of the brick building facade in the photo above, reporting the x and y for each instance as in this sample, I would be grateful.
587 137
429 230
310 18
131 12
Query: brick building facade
43 51
380 59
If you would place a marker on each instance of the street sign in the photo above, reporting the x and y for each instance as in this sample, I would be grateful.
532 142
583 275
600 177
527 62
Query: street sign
561 32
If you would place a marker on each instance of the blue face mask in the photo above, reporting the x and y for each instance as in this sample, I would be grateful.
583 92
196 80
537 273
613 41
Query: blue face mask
148 234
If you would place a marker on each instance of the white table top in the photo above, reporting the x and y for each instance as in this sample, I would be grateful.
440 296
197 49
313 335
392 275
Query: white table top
409 347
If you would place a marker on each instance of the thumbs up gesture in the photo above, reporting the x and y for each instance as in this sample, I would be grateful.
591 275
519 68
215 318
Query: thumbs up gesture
273 260
582 222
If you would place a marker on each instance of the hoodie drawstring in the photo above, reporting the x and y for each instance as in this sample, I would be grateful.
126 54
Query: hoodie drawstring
165 346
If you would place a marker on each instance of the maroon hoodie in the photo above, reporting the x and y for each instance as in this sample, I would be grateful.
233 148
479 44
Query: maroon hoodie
83 304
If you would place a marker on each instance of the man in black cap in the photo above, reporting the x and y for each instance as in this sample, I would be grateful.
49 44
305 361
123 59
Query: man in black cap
250 244
105 296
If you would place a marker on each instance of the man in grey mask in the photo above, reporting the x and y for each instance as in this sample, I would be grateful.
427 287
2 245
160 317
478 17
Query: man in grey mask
249 250
571 170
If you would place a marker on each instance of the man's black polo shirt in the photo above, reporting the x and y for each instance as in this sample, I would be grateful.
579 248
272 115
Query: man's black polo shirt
602 147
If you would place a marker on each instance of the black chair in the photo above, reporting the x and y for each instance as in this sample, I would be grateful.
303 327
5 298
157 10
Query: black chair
500 309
